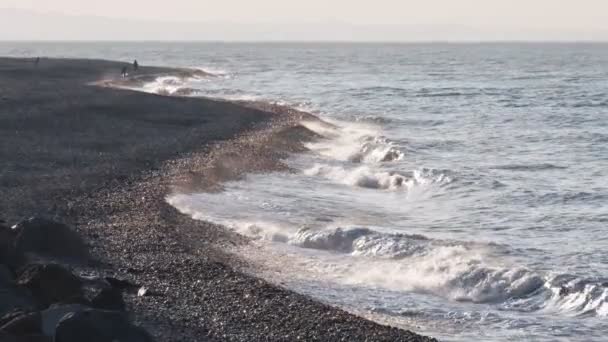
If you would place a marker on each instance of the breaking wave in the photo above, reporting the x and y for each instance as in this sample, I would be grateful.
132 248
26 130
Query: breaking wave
356 143
454 270
216 72
359 154
365 177
170 86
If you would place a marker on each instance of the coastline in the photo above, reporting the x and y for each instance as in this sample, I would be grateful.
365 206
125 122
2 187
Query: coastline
149 144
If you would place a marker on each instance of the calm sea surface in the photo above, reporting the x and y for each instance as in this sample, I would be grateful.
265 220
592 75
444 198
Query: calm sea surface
463 191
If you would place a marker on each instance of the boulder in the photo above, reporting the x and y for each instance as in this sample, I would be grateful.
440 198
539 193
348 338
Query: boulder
15 299
47 238
50 283
100 293
7 277
121 284
108 299
8 255
25 324
53 315
11 315
6 337
98 326
34 338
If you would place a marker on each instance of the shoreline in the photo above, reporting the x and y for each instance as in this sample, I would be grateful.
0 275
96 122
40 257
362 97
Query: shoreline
116 200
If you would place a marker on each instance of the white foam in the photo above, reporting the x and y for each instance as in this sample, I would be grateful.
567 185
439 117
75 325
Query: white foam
451 270
218 72
353 142
164 85
366 177
577 297
455 270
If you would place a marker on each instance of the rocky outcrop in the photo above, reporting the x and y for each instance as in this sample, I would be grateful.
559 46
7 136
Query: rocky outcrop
24 324
12 297
98 326
46 238
42 300
50 283
7 249
108 299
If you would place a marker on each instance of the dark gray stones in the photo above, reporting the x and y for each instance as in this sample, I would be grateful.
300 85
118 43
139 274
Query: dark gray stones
7 249
120 284
53 315
50 283
47 238
13 298
108 299
98 326
24 324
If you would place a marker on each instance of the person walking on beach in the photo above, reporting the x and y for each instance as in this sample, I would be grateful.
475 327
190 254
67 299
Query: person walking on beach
135 65
124 72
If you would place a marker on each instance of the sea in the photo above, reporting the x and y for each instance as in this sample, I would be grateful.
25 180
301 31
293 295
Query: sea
459 189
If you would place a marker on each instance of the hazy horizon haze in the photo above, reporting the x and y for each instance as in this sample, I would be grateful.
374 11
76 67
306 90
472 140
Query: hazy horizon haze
314 20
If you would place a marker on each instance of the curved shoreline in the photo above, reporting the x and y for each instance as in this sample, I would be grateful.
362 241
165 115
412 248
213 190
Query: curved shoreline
104 159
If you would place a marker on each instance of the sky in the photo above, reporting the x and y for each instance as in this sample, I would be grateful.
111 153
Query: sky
499 18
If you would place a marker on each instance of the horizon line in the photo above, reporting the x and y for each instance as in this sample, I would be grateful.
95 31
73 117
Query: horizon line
305 41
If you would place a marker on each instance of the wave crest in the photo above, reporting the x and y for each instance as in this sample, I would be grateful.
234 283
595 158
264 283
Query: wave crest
355 143
365 177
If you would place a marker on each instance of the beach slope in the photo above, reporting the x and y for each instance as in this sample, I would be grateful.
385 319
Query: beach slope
103 159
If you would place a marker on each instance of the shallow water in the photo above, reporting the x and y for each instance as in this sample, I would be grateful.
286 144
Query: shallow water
462 191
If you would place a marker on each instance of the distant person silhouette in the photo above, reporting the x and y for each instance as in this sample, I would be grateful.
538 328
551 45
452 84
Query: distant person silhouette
124 72
37 61
135 65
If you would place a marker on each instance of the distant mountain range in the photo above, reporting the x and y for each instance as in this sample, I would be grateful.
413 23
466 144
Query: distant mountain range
31 25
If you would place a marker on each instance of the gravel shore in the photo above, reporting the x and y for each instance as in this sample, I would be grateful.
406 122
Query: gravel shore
103 160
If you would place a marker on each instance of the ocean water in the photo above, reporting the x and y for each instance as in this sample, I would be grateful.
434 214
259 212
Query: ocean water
461 190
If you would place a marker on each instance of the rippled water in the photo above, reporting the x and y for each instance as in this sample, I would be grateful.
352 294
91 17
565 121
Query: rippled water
461 190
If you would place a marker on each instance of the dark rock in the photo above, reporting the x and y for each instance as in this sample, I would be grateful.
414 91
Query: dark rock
8 255
13 298
34 338
108 299
47 238
98 326
53 315
121 284
7 278
50 283
6 337
25 324
11 315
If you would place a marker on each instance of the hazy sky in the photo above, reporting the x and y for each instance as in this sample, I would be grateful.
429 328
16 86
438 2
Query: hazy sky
327 20
534 14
